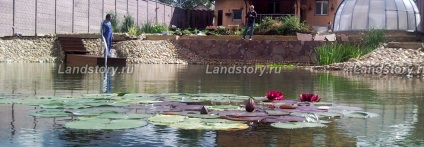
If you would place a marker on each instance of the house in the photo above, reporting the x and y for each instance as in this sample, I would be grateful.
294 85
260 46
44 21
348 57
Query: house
312 12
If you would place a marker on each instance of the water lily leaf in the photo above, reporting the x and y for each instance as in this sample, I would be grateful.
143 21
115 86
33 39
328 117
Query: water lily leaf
137 95
317 104
275 119
329 114
223 107
105 124
359 114
49 113
276 113
96 111
217 120
123 116
102 95
190 107
204 116
249 119
296 125
166 119
185 100
211 124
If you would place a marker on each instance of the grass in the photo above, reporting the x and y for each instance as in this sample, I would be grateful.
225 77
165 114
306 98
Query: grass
340 52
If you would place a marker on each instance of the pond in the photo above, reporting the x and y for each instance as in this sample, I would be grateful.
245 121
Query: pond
398 102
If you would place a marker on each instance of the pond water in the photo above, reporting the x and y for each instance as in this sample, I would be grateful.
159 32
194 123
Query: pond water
399 102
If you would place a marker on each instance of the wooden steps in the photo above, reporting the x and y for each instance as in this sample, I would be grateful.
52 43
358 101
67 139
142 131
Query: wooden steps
92 60
77 55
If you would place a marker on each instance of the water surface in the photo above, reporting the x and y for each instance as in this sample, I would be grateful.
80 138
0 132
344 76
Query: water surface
398 101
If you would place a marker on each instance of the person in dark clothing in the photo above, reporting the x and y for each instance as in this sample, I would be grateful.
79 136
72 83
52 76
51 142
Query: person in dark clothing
250 16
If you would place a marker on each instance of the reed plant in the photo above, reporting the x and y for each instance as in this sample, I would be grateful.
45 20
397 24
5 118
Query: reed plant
330 53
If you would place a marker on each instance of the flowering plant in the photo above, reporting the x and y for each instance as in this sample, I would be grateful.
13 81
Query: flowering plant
309 98
275 95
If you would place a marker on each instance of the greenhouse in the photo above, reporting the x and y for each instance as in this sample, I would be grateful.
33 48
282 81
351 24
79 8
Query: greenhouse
377 14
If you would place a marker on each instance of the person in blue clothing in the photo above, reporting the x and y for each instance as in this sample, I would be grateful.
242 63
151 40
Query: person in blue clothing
107 33
251 16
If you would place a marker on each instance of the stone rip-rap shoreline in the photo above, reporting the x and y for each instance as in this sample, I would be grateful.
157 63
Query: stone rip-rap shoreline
384 61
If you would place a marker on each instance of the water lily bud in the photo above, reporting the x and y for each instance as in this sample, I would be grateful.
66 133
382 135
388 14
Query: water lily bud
204 110
250 105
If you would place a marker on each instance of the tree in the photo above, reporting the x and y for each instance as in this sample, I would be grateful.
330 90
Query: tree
190 4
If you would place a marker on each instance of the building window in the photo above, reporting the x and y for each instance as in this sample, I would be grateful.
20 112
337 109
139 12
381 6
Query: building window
237 15
321 7
273 7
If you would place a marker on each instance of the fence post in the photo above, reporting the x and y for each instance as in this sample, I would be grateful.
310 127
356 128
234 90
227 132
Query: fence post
156 11
164 14
35 30
73 14
13 23
55 16
147 11
137 13
88 16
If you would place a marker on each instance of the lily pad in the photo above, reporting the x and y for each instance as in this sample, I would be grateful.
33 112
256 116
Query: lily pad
359 114
105 124
166 119
223 107
210 125
137 95
49 113
329 114
96 111
276 113
297 125
317 104
204 116
123 116
275 119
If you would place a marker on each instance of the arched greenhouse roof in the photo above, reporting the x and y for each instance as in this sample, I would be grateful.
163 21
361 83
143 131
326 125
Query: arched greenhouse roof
355 15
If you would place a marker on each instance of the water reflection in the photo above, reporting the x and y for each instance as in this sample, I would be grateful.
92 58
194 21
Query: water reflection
399 101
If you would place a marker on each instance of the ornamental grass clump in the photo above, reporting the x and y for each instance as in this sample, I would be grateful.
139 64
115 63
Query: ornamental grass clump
330 53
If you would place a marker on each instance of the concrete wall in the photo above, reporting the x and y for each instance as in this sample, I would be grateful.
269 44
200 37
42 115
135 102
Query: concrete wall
75 16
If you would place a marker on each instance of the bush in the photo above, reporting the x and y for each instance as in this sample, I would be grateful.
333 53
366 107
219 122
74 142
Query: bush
374 38
153 28
135 31
186 32
114 21
287 25
127 24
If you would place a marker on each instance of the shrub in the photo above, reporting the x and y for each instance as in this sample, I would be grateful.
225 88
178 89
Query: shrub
186 32
114 21
153 28
127 24
135 31
374 38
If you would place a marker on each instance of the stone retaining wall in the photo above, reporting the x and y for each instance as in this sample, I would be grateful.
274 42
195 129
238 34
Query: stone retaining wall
29 49
257 51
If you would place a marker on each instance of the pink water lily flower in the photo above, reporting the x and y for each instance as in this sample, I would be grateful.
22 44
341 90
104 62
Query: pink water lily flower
275 95
309 98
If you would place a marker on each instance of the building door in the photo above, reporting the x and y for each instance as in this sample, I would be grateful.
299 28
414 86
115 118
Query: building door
220 17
